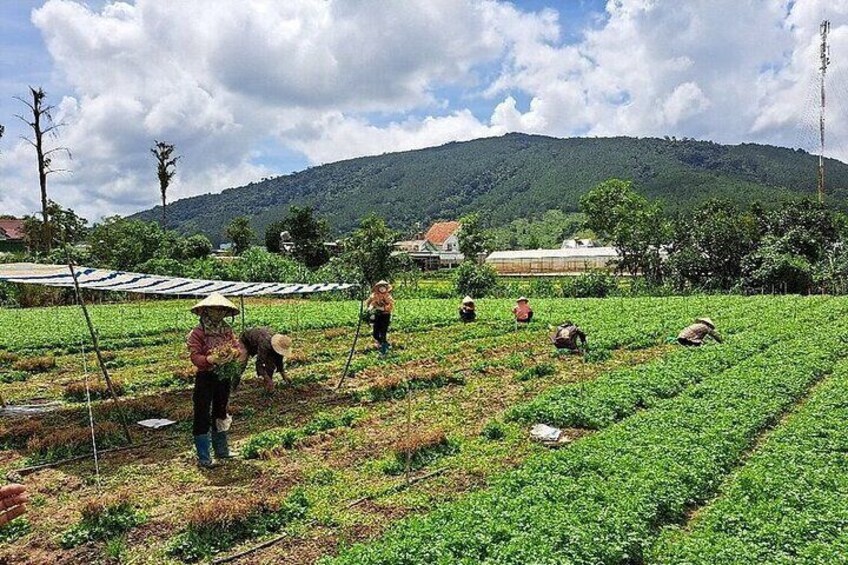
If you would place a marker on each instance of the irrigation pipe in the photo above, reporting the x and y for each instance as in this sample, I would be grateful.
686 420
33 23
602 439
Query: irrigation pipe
400 487
29 470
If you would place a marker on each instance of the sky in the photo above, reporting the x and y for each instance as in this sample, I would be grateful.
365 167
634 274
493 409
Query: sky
258 88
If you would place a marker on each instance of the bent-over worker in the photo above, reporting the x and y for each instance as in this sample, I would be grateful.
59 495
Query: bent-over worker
381 304
270 349
566 336
522 311
211 345
694 335
467 311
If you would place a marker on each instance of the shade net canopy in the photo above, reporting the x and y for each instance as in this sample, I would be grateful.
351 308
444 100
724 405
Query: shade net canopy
121 281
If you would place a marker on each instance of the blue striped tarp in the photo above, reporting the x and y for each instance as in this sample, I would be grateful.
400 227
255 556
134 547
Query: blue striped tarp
120 281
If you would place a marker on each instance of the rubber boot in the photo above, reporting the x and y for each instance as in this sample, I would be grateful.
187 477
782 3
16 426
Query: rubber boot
201 444
219 443
384 348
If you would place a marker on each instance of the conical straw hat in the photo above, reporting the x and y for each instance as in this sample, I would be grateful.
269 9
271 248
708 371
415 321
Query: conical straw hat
468 300
282 344
706 321
384 283
215 300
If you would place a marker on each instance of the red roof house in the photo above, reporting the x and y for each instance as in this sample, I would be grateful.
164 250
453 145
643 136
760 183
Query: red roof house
444 235
12 229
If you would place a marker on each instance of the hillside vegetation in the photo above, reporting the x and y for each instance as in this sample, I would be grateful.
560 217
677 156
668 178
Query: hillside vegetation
509 177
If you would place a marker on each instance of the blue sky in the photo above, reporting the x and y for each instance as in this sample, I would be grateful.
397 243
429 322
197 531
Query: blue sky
249 90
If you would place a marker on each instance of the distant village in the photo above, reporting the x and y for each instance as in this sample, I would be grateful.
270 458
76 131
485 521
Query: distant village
437 248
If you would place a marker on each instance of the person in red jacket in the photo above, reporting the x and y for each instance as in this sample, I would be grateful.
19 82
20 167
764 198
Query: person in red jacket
212 344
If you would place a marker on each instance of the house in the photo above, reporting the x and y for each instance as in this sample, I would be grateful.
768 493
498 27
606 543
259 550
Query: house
444 236
565 261
12 235
574 243
421 251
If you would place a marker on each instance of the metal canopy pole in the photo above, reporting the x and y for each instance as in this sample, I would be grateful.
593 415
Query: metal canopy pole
96 344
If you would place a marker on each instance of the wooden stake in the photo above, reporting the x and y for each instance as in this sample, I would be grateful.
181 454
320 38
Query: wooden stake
352 347
96 345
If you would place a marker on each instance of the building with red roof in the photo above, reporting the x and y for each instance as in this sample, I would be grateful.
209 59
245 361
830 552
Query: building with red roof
11 234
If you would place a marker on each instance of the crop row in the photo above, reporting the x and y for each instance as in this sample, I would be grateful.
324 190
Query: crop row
787 504
619 394
604 499
64 327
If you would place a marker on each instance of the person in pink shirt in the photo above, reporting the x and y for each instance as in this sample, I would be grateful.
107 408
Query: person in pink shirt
522 311
206 342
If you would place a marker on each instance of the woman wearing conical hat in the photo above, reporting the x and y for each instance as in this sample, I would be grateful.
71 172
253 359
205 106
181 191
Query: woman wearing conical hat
381 304
467 310
270 349
212 344
694 335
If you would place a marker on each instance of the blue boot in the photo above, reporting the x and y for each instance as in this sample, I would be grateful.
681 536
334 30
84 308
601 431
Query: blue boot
220 445
384 348
202 444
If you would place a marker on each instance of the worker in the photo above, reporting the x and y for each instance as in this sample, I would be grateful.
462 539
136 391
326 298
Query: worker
380 304
271 349
566 336
212 344
13 499
467 311
522 311
693 336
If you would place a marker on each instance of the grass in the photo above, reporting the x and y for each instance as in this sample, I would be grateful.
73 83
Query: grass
103 518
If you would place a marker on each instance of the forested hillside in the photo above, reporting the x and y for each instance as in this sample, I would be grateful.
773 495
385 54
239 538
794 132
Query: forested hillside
510 177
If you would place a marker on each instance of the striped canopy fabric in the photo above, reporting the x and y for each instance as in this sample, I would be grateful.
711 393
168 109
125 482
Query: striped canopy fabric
120 281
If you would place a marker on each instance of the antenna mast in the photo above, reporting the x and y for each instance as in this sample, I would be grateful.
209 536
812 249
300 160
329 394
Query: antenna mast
824 28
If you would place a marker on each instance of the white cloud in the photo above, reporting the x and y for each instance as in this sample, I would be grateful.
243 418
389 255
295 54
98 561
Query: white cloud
225 81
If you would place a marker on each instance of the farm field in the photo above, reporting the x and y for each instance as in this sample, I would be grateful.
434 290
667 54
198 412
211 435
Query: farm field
668 446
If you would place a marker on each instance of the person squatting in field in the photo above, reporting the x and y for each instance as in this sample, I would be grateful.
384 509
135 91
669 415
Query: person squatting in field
270 349
522 311
467 310
566 336
694 335
380 304
212 346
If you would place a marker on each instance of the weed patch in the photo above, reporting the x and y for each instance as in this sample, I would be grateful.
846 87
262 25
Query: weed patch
102 519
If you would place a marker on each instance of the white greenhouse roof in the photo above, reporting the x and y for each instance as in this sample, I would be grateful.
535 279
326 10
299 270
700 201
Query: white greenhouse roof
568 253
120 281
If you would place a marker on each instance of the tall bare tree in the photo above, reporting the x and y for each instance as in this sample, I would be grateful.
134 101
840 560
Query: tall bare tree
166 165
42 125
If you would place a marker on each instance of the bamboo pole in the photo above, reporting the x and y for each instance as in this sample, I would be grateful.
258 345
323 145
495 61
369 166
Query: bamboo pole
96 345
352 347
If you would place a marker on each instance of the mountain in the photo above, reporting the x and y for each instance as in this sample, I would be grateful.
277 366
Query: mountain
509 177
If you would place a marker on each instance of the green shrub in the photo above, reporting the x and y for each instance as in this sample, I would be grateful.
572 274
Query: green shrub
475 280
493 431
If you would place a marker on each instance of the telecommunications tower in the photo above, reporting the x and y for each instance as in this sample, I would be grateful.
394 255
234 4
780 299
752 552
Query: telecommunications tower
824 28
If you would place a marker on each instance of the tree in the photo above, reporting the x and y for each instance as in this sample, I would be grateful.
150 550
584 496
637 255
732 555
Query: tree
472 239
308 234
166 165
710 243
369 250
272 236
42 125
475 280
123 244
195 247
241 234
64 225
632 224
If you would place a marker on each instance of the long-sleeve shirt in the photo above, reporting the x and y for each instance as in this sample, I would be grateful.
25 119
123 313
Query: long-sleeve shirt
200 346
566 337
382 302
522 311
697 332
257 341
